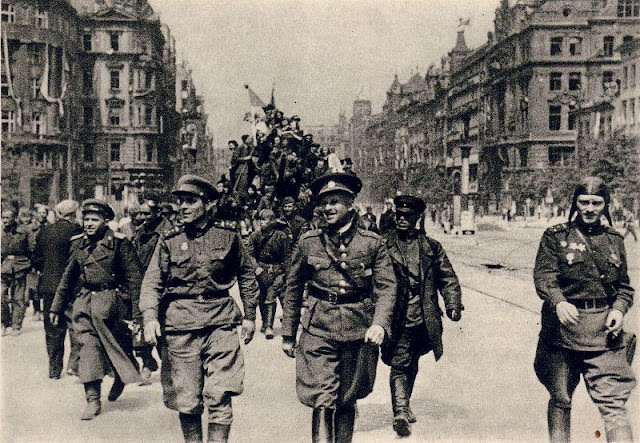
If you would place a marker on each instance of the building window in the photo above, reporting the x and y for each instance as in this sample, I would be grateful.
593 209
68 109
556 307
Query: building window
36 59
523 154
148 115
627 39
115 79
575 46
607 45
87 153
561 156
4 85
625 77
8 13
148 79
628 8
575 81
42 19
87 80
571 123
632 78
87 42
185 85
555 81
35 87
115 41
114 152
114 116
36 124
88 115
632 112
149 151
555 117
8 122
556 46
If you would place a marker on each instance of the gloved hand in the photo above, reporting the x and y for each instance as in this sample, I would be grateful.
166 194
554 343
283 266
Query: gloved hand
247 331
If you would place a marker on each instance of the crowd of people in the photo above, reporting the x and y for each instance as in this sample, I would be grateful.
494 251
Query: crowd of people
284 228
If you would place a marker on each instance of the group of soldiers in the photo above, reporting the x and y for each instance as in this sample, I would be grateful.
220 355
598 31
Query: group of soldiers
350 290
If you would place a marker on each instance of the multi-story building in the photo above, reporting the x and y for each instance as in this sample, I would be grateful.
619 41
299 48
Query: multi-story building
333 137
519 102
627 105
39 100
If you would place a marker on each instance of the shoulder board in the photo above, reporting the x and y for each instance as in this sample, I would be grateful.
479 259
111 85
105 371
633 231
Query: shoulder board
558 228
77 237
612 230
172 231
119 235
311 233
368 233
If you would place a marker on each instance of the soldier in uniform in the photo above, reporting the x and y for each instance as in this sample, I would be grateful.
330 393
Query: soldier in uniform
105 268
16 264
151 225
185 298
351 296
422 270
271 248
581 274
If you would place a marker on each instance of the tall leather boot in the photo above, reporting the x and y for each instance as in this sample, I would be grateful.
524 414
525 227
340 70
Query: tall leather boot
411 379
92 394
263 316
559 422
218 433
400 404
191 428
271 313
323 426
344 421
621 433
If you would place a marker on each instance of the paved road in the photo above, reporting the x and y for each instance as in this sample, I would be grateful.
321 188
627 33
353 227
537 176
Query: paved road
483 388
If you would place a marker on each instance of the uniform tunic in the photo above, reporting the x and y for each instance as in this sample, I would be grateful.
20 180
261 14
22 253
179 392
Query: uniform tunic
186 288
15 267
271 249
106 272
586 266
333 365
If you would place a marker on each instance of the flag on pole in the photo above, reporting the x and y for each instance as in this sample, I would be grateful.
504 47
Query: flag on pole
257 113
273 95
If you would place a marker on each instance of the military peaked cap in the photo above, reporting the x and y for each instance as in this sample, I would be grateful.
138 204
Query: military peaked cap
99 207
409 203
196 185
336 182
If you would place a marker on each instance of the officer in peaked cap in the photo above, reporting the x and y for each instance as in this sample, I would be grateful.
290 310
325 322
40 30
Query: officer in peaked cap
196 185
185 298
351 289
99 207
422 270
106 268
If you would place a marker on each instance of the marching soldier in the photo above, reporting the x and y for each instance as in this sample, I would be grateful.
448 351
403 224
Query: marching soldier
581 274
422 270
106 269
271 248
185 298
351 289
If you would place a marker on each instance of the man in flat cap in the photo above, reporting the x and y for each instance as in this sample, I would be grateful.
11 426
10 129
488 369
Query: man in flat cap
52 252
185 299
351 295
105 268
422 270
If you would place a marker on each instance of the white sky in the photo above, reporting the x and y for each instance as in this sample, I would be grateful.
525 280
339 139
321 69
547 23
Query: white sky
319 53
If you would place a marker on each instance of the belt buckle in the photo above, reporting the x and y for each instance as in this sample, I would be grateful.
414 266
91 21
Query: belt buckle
333 297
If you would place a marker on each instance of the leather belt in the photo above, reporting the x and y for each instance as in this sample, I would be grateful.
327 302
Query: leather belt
204 296
99 286
334 297
590 303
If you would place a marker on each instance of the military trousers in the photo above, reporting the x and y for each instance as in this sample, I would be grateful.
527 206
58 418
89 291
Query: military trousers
607 376
206 368
331 373
403 353
54 337
14 301
103 338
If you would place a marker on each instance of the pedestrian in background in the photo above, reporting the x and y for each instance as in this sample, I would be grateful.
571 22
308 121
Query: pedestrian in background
629 225
185 299
422 270
351 295
105 268
52 252
581 275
